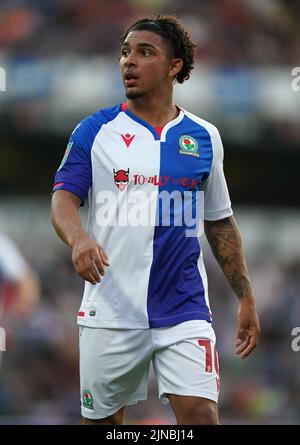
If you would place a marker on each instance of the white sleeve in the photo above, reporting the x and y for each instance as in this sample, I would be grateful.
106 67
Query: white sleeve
12 262
217 203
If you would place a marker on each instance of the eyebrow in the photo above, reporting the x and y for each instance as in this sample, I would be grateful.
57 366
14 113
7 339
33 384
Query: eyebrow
141 45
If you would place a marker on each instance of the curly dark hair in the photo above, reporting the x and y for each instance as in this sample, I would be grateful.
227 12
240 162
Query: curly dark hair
170 29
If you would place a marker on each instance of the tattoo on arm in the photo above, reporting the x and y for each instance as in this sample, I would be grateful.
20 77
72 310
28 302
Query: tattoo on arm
226 243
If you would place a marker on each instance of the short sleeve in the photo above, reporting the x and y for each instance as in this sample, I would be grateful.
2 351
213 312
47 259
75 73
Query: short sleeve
217 203
75 171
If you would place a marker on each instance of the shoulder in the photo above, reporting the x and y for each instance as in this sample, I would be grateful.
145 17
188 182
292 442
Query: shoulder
213 132
208 126
85 132
96 120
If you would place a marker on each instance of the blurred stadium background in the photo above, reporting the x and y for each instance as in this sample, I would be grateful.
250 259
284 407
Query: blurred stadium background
60 59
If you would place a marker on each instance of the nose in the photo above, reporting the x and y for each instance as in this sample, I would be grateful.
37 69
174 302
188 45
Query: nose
131 59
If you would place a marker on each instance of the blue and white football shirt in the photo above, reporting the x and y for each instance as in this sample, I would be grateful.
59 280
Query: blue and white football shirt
123 166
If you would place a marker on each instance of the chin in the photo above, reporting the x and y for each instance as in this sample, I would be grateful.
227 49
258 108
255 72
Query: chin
133 96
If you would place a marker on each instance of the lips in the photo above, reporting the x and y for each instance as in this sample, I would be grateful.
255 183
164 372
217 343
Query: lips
130 79
130 76
130 83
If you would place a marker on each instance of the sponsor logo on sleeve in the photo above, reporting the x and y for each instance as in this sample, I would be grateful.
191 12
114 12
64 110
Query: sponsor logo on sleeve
68 149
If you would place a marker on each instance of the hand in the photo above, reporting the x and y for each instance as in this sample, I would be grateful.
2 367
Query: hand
248 328
89 259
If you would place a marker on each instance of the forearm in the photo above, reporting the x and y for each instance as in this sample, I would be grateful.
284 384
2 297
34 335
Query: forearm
227 246
89 259
65 216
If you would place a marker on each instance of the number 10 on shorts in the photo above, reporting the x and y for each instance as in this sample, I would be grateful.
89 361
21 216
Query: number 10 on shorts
208 359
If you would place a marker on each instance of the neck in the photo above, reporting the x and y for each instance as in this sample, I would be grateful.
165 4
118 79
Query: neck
157 111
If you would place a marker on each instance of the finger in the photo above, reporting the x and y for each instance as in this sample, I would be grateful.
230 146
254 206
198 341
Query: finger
88 277
250 348
90 272
82 268
243 345
241 336
98 265
92 280
98 273
103 256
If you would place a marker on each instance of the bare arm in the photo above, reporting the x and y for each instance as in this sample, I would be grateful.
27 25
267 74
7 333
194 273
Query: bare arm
226 243
27 293
88 257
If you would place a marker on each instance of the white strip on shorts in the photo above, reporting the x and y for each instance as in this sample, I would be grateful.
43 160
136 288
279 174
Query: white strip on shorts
115 364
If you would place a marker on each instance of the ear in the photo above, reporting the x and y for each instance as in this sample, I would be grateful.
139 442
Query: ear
175 67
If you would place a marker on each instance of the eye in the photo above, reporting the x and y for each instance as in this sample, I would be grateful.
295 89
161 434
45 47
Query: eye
124 52
146 53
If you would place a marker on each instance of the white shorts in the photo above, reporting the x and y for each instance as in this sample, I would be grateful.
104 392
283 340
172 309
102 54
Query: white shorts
115 364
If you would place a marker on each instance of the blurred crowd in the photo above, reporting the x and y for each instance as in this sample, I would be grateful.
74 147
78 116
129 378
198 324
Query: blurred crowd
39 374
228 32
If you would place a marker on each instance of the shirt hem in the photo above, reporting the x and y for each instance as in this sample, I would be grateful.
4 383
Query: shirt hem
152 323
160 323
217 215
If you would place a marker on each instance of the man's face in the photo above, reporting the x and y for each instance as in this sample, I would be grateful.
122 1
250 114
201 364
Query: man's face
145 63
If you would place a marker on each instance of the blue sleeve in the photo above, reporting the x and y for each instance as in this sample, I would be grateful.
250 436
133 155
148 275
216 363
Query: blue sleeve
75 171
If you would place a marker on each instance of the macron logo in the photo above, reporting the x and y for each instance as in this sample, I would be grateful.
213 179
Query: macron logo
127 138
